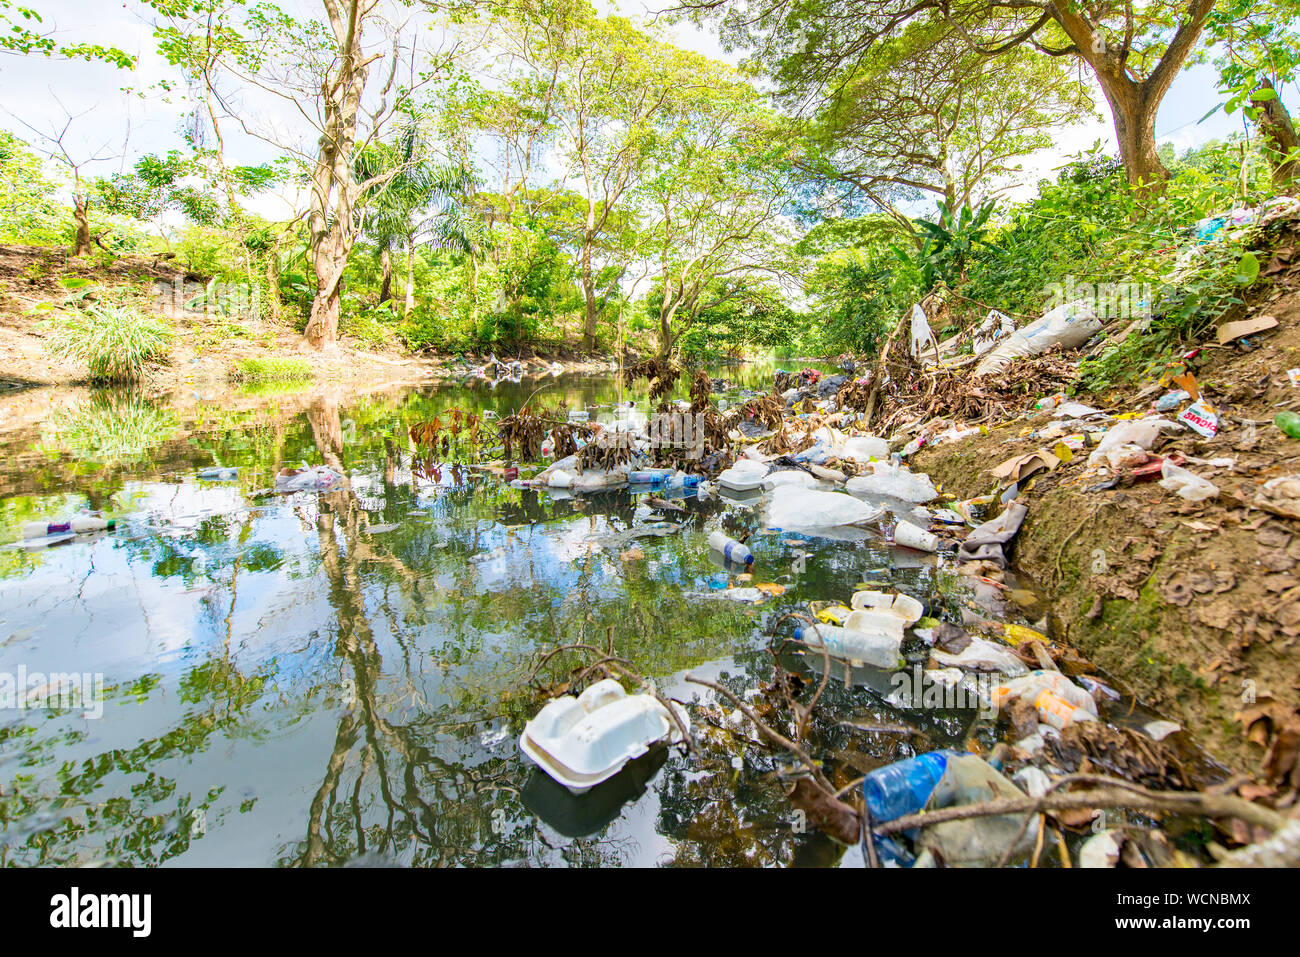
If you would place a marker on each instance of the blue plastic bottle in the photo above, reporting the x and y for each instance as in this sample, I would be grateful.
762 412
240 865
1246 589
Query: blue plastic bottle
904 787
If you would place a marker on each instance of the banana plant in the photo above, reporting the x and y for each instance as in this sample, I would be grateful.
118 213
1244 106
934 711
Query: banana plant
947 244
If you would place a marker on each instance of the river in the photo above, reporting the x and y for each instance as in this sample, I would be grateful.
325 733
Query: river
323 679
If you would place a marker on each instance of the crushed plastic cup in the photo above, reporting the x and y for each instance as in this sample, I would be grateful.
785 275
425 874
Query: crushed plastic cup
910 536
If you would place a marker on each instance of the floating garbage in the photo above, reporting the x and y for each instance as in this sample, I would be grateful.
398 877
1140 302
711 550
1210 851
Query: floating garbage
317 478
795 477
940 779
878 648
730 549
218 474
864 448
744 476
792 508
584 740
895 481
910 536
77 525
980 655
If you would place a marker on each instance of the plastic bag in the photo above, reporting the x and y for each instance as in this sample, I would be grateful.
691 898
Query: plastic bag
1069 325
318 478
1185 484
864 448
921 333
793 507
894 481
1140 432
969 779
981 655
796 477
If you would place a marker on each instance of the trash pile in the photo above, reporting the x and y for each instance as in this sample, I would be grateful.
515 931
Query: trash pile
1079 770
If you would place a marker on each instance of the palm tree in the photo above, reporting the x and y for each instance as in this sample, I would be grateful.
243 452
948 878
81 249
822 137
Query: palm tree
420 203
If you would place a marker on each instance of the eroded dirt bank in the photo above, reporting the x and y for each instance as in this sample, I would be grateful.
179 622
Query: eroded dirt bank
1195 606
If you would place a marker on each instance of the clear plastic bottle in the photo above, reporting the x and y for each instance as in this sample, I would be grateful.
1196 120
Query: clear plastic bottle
879 649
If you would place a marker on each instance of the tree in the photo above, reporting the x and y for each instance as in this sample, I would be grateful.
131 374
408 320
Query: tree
1133 50
346 78
714 201
26 194
596 87
57 144
1259 52
924 115
21 33
411 182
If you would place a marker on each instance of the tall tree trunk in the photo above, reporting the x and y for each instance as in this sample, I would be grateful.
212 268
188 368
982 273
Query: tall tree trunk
1279 133
81 217
273 281
1134 115
590 312
386 266
410 276
473 291
1133 102
331 216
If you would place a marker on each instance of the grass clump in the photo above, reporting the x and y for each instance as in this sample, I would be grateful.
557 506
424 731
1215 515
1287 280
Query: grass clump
115 340
274 368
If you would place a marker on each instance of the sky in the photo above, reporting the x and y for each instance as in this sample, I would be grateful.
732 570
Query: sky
122 115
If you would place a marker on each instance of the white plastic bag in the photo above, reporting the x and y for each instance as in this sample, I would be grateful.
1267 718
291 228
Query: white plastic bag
1069 325
793 507
1140 432
863 448
796 477
921 334
1185 484
894 481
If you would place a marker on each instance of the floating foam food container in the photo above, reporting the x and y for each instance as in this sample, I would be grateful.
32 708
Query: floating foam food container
745 476
584 740
883 610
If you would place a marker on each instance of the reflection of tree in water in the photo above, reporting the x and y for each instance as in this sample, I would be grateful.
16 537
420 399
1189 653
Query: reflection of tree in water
87 814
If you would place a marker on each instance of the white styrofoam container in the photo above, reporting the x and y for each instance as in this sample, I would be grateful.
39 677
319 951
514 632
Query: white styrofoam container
584 740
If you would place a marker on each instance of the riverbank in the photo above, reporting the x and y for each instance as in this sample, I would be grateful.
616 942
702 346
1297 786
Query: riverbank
1194 605
209 347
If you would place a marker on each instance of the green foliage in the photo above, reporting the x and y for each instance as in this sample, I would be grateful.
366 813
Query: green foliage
272 368
29 210
947 245
115 340
110 429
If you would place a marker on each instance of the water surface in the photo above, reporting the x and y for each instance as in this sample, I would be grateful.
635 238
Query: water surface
290 683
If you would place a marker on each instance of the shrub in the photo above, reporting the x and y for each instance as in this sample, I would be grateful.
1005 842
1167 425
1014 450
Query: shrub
272 368
115 340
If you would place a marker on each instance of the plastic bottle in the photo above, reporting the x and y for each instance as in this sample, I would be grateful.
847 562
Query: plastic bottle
1059 713
218 474
904 787
1288 422
648 476
731 549
879 649
79 524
